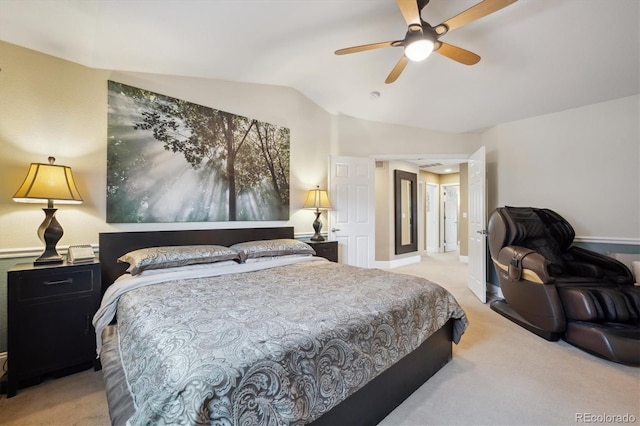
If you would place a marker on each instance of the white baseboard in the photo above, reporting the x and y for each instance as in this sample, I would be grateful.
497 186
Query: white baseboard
390 264
464 259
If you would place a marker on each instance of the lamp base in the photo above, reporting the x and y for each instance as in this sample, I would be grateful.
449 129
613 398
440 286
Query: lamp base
50 233
317 226
48 259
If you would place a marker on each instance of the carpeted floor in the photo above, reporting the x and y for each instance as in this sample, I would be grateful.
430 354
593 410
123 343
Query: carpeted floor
500 375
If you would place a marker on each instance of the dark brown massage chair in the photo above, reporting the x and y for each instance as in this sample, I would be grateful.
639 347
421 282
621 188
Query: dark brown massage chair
556 290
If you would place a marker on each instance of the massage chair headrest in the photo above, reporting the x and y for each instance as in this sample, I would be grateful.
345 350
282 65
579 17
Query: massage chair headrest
513 225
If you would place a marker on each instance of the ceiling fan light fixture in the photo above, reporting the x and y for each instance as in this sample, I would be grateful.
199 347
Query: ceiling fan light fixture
419 50
421 38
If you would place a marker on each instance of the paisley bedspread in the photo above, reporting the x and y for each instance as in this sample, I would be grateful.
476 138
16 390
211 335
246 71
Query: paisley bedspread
277 346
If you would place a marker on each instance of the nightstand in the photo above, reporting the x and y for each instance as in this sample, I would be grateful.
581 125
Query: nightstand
326 249
50 309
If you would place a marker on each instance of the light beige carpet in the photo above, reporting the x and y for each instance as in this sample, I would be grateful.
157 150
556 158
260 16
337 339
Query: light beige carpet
500 375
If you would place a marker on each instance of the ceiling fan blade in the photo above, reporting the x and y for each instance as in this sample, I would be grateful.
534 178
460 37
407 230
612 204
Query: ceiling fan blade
395 72
364 47
484 8
458 54
411 14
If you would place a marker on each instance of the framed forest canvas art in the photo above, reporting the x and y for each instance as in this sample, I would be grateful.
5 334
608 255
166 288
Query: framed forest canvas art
169 160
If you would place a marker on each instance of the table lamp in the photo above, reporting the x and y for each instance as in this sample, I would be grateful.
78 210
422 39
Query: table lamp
317 199
46 183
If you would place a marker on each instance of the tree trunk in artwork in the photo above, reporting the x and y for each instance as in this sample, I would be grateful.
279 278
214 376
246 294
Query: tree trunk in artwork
269 161
228 126
231 178
268 144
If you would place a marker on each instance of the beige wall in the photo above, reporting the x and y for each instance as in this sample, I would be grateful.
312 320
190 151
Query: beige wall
384 212
583 163
357 137
51 107
449 179
430 177
385 208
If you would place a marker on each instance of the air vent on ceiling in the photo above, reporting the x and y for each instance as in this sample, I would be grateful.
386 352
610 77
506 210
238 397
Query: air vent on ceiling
426 166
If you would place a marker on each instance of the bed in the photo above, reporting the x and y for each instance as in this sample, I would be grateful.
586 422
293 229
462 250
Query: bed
263 341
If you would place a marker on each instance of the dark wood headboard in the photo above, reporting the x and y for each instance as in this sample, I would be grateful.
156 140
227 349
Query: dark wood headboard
112 245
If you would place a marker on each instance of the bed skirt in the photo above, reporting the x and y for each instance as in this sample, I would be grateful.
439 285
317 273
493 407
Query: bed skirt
121 406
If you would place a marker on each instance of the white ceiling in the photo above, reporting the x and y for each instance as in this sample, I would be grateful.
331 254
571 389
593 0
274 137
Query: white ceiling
538 56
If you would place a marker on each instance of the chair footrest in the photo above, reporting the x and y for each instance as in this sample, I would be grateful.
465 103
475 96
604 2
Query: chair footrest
503 308
615 342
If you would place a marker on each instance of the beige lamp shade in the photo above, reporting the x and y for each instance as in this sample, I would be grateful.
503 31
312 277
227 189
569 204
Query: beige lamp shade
318 199
48 182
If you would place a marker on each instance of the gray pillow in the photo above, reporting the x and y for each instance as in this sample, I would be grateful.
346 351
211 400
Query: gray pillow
173 256
271 248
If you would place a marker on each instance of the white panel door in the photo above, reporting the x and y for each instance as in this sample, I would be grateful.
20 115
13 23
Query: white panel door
433 212
422 215
477 225
352 218
451 195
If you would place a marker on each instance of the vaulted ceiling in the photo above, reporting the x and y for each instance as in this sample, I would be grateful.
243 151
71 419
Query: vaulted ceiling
538 56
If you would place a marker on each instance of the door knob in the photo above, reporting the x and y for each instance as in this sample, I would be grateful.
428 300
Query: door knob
335 229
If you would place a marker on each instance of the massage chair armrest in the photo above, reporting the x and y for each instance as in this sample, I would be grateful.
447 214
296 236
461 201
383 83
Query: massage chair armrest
614 271
533 264
584 269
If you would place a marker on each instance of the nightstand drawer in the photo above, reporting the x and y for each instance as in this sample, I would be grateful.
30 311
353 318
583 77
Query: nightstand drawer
326 249
40 286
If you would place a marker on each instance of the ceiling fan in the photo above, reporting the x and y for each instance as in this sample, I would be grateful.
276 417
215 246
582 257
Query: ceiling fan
422 38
